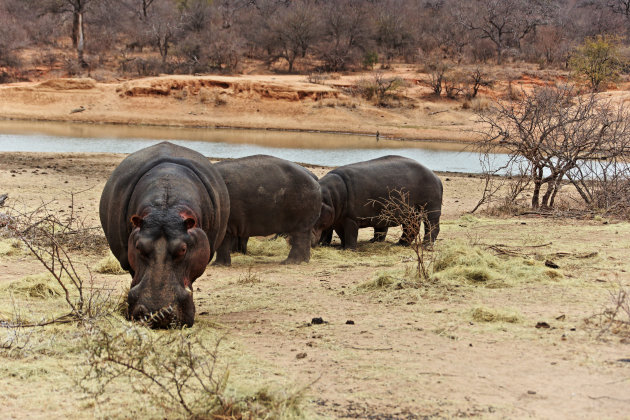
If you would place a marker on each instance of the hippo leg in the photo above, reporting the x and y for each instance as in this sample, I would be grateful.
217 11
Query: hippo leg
223 252
431 228
241 244
342 236
300 248
350 234
379 235
409 234
326 237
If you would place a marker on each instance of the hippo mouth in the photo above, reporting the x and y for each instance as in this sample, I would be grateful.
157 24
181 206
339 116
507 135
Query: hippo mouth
164 318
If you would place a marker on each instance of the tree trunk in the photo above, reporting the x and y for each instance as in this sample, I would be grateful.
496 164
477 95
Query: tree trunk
499 54
80 41
536 193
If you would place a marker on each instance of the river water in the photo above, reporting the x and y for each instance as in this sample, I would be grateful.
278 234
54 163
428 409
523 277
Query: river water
313 148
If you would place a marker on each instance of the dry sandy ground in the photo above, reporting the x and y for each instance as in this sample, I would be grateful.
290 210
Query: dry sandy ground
411 353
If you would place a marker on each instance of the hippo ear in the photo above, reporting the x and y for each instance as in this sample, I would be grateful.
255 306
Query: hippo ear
137 221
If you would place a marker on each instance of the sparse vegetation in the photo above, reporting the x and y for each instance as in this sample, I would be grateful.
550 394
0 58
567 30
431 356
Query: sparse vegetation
597 60
615 318
177 370
552 135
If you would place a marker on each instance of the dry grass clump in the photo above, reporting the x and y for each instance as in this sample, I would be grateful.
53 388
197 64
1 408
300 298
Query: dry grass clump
268 247
39 286
457 261
109 265
10 248
381 281
483 314
249 277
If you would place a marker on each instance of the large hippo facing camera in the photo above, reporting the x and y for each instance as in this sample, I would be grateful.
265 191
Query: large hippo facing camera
352 198
269 196
164 211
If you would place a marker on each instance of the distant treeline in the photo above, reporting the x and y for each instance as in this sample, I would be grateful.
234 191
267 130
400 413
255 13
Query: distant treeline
146 37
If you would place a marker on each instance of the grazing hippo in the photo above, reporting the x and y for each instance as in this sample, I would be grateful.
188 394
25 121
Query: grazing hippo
240 244
164 211
269 195
350 196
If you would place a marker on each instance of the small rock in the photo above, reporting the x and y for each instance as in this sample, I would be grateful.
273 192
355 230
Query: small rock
561 317
349 322
551 264
317 321
542 324
531 392
300 355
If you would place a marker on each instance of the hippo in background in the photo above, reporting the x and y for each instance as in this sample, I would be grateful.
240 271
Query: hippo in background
239 244
351 195
269 195
164 211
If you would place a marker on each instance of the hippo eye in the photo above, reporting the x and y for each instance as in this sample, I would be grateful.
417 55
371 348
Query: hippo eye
143 247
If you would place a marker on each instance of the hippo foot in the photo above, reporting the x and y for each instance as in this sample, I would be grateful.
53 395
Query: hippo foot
293 261
221 264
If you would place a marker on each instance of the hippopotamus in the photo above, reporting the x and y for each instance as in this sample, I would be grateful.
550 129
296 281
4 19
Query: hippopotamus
269 195
352 197
239 244
164 211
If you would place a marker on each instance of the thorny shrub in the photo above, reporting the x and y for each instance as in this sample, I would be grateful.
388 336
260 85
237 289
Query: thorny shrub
177 370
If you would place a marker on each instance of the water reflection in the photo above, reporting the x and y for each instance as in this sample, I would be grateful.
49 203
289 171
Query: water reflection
313 148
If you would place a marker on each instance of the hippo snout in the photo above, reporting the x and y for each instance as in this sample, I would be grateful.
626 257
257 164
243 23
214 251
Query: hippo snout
180 311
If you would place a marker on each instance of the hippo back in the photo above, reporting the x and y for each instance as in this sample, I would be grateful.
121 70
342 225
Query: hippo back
375 179
269 195
116 196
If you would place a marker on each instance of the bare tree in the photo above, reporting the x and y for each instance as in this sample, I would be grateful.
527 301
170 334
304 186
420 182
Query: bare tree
345 33
393 33
504 22
293 31
77 9
621 7
553 134
163 26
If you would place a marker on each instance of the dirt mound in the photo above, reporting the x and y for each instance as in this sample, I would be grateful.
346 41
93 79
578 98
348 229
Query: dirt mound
65 84
187 86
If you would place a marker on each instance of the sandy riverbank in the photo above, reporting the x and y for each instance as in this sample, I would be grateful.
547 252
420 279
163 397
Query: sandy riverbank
265 102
